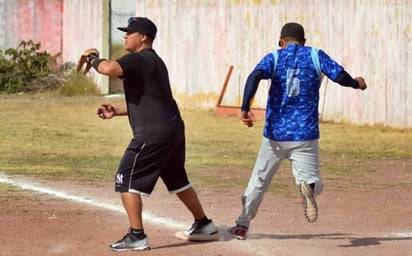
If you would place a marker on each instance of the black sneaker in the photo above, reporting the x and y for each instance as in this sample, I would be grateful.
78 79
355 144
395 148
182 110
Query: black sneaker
202 232
131 243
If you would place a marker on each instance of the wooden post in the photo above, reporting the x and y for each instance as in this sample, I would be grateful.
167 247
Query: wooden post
229 73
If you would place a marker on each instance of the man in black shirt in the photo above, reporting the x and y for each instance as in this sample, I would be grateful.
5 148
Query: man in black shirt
158 145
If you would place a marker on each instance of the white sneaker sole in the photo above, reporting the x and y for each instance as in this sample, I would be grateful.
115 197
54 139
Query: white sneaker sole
143 248
182 236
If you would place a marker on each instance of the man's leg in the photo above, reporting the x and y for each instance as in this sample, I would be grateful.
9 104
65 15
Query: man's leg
191 201
305 164
305 167
136 239
175 178
132 203
203 228
269 157
267 163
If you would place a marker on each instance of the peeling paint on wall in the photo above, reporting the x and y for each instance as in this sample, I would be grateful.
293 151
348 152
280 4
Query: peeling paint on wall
68 27
200 39
31 20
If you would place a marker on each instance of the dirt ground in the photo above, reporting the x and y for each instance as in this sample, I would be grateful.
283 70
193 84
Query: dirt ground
73 218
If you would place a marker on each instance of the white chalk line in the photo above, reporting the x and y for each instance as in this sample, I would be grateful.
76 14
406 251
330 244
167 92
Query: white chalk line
151 218
148 217
401 235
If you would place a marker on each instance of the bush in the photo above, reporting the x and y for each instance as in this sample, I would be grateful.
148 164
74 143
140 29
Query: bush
26 69
26 66
78 84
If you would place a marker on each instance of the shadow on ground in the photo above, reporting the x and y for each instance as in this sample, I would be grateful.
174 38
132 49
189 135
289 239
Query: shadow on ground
353 241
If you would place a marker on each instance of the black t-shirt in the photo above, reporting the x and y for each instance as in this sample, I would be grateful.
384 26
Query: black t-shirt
153 113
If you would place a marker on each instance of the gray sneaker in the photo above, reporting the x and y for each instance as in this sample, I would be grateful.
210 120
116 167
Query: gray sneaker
202 232
131 243
310 209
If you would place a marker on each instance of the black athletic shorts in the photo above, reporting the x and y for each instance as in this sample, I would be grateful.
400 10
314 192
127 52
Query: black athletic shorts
142 164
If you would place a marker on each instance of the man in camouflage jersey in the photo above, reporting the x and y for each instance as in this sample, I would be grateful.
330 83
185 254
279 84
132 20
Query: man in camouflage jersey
292 124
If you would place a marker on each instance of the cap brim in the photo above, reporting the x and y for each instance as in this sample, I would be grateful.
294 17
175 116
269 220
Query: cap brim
122 29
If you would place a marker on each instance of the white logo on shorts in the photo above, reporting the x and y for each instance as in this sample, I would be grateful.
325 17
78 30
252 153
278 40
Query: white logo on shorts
119 178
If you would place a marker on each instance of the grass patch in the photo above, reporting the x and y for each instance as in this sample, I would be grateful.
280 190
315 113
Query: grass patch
217 141
62 138
78 84
365 142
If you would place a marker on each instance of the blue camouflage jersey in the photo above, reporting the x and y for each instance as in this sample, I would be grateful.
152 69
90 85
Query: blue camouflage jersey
292 105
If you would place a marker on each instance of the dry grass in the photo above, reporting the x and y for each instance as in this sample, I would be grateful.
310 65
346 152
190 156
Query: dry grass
61 137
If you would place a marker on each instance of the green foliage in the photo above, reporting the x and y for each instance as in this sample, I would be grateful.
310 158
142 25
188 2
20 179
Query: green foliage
78 84
62 138
27 69
20 68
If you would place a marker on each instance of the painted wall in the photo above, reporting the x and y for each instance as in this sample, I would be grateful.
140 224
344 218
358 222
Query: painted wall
31 20
68 27
200 39
86 25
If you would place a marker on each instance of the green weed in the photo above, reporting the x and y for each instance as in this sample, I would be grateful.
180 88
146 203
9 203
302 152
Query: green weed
62 138
77 84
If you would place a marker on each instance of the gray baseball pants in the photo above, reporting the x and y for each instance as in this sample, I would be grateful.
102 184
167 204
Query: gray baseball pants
304 157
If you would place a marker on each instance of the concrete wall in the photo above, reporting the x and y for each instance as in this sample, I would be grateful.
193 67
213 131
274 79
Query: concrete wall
200 39
35 20
86 25
68 27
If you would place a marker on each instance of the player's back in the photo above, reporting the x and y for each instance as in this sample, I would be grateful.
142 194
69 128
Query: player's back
292 109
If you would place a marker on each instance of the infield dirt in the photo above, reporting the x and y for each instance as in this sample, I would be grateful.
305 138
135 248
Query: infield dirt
355 221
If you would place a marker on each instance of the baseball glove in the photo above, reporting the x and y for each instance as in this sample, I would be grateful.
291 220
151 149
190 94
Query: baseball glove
85 58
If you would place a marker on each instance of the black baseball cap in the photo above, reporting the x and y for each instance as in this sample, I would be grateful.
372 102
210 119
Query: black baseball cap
142 25
293 29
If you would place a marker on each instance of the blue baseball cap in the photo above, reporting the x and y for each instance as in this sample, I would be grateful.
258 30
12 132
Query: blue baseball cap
142 25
